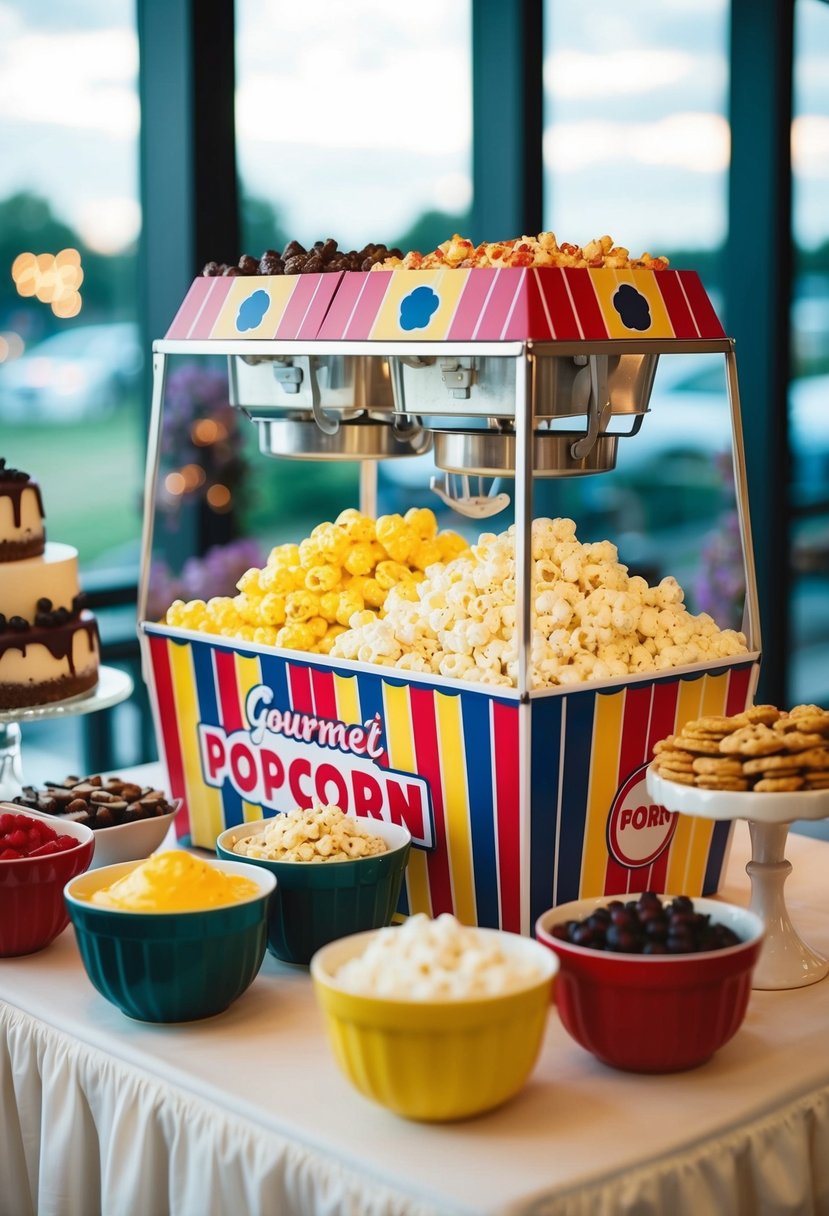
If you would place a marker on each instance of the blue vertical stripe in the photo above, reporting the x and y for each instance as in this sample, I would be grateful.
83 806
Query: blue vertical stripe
545 764
209 712
370 696
275 676
716 856
578 746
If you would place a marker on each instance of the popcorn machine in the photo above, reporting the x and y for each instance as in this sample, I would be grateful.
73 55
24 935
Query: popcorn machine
519 796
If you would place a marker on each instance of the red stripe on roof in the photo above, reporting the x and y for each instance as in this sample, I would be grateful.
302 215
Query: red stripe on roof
552 285
707 320
679 313
586 305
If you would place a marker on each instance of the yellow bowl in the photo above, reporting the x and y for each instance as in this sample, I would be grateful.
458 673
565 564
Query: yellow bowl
435 1060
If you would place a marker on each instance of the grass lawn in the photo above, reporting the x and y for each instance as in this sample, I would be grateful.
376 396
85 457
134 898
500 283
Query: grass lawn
90 475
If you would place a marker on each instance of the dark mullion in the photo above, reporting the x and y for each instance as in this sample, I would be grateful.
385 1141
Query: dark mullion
216 219
507 118
758 281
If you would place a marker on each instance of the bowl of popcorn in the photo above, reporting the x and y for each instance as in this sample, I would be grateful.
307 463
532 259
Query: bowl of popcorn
652 983
336 874
37 858
172 938
434 1020
128 821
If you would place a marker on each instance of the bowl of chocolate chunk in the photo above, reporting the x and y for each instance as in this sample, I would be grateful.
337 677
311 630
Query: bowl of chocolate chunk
128 820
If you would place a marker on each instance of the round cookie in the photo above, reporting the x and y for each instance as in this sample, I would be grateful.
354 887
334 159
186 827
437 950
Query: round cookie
766 715
773 765
715 724
755 740
718 766
778 785
712 781
698 745
681 778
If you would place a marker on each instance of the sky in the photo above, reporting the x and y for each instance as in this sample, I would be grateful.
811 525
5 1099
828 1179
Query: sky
354 118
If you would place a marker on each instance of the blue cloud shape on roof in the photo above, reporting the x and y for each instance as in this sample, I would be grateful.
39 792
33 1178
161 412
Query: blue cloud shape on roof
252 310
417 308
632 307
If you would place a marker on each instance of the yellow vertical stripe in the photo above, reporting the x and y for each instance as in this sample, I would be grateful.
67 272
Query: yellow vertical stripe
348 704
456 805
402 756
248 675
680 846
604 773
204 803
688 701
714 694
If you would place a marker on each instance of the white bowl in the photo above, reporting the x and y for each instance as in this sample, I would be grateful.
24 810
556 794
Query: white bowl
130 841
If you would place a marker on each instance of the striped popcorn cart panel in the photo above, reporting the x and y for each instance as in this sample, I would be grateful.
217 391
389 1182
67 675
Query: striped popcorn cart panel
512 805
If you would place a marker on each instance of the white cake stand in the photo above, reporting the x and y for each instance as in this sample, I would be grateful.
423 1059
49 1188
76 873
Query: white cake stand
785 960
113 687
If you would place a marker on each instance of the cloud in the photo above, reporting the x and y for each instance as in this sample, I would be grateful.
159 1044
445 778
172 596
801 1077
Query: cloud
416 309
252 311
698 142
632 307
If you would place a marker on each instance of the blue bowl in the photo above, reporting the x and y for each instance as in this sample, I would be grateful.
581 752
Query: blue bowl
318 902
170 966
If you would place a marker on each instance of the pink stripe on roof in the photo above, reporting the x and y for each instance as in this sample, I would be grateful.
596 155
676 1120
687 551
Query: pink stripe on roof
368 304
318 307
189 309
501 300
339 314
297 305
471 304
213 304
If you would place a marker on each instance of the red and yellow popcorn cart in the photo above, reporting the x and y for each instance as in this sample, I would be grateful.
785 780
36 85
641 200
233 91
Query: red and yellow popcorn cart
516 797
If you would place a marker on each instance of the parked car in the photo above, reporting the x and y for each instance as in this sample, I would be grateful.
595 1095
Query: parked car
83 372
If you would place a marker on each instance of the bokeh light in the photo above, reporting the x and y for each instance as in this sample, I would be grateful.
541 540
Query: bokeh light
53 279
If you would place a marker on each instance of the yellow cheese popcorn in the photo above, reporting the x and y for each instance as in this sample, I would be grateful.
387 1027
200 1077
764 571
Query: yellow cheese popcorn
308 593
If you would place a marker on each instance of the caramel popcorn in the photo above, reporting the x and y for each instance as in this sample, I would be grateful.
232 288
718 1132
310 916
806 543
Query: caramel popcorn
542 250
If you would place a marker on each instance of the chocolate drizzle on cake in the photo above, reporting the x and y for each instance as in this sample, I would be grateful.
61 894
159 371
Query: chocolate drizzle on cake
12 484
58 640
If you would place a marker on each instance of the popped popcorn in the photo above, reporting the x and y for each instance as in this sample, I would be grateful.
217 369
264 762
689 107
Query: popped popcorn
592 620
439 959
311 834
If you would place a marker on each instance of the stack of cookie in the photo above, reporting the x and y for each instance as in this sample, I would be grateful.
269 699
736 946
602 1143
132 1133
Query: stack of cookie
763 749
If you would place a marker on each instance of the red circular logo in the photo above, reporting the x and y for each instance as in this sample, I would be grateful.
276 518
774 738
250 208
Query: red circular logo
638 830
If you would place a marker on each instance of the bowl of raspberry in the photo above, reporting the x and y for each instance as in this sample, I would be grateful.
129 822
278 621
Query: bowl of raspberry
652 983
38 856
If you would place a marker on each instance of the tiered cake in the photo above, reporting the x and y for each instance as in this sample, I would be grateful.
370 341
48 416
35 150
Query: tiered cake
49 645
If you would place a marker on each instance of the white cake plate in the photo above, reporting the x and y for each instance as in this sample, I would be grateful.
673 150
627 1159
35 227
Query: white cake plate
785 960
113 687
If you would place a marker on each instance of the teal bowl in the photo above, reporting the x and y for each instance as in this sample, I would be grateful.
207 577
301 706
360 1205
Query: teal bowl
317 902
170 966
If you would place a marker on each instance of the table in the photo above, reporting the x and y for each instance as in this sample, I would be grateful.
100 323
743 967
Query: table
247 1112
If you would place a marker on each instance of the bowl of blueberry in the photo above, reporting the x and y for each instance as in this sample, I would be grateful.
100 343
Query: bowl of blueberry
652 983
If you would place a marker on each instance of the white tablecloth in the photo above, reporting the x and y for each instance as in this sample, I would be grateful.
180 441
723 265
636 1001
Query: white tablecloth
247 1114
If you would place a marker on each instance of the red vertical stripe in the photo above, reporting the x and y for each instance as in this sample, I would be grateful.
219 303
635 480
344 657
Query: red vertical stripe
299 679
676 304
708 323
631 754
552 284
163 678
228 690
507 812
471 302
584 298
663 713
428 762
739 682
325 698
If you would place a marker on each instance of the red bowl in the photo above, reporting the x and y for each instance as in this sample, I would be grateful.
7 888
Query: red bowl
658 1012
32 908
